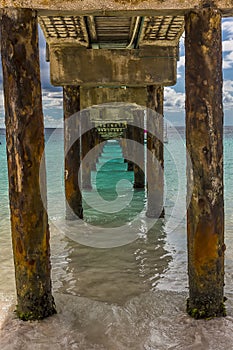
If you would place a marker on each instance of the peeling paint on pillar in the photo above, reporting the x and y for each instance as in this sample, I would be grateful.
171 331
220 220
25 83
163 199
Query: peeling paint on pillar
204 134
155 147
25 147
71 99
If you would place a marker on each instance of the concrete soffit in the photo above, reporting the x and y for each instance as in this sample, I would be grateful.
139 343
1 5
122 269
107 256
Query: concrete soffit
112 32
107 34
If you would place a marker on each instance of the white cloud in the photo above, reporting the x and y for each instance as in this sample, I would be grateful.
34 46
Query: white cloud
181 62
228 85
1 100
228 94
180 67
228 61
227 45
227 27
52 122
173 100
52 99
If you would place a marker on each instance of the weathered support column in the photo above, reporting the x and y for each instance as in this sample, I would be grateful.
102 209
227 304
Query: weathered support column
86 146
71 105
25 147
204 134
129 151
94 143
138 137
124 146
155 171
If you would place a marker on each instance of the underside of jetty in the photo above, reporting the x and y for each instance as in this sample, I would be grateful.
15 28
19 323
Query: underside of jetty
106 52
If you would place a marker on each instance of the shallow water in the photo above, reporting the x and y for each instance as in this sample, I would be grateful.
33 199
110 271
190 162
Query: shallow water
119 281
150 321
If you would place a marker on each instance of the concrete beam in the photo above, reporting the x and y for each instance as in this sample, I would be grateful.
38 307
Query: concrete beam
71 65
106 7
97 96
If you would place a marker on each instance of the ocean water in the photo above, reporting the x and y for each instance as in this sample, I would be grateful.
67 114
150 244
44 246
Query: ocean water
119 279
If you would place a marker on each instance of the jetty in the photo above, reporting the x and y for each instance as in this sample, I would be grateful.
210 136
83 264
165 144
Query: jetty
111 51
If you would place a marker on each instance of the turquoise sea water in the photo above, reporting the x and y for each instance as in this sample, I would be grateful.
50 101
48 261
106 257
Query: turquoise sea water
113 257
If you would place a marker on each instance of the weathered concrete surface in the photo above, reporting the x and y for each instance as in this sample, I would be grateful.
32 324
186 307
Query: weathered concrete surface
96 96
72 144
204 134
155 160
72 65
86 146
164 7
25 147
128 151
112 32
139 154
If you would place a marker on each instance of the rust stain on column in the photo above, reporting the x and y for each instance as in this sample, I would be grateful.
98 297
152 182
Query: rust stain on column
204 134
25 146
71 99
155 158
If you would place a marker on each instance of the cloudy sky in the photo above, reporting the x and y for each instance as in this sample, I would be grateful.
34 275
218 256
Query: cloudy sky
174 96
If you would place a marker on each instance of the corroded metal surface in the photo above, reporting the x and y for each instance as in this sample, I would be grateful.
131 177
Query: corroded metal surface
25 147
71 101
204 135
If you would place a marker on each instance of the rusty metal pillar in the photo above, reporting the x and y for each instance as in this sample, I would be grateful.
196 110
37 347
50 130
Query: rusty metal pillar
71 105
155 171
86 146
138 137
25 147
204 135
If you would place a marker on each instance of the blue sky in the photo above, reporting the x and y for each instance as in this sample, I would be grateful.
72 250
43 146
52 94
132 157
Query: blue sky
174 96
